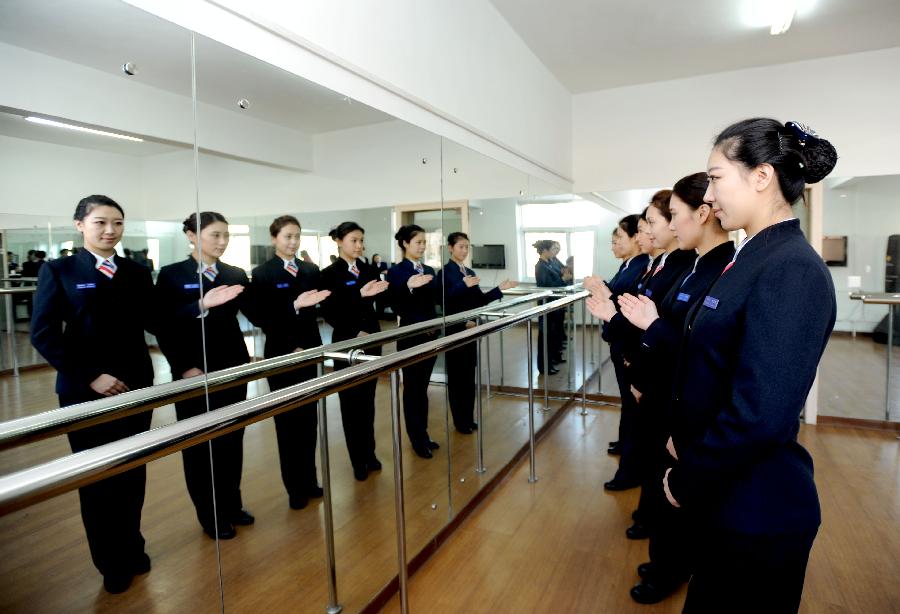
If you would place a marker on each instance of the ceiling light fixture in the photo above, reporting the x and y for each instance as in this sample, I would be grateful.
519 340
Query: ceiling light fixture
50 122
782 14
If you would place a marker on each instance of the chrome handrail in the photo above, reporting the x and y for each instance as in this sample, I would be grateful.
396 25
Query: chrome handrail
40 482
72 417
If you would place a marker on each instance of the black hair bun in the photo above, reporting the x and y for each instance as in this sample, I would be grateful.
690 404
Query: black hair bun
821 158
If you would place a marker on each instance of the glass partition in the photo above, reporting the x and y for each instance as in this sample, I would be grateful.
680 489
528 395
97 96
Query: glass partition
97 101
861 235
274 145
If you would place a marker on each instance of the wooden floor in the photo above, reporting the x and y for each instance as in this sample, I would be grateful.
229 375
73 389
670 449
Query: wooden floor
852 378
559 545
276 565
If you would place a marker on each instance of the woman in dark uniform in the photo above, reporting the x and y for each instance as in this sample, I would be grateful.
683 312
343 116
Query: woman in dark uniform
349 309
548 274
698 229
629 245
413 294
97 347
200 335
749 360
462 293
284 293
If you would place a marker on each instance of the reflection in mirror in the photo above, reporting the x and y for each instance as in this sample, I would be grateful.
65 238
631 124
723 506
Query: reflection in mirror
349 177
861 244
73 124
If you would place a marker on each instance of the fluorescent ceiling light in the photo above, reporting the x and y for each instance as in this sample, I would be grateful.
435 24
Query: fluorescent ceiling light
50 122
782 15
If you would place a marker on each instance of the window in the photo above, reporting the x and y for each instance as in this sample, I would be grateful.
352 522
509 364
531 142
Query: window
310 245
574 225
238 251
327 249
153 251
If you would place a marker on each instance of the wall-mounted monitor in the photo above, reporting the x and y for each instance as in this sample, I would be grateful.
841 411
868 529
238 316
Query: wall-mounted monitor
488 257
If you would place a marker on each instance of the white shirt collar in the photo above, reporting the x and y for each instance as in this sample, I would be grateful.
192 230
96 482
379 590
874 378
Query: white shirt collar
101 259
748 239
202 266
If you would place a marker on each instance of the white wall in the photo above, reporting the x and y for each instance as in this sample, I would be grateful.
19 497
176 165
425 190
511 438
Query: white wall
866 210
455 68
654 134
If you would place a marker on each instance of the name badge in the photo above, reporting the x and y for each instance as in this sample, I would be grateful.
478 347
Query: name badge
85 286
683 297
352 282
711 302
283 285
648 292
191 286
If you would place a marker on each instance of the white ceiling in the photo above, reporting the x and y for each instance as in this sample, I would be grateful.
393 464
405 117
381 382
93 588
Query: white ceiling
104 34
599 44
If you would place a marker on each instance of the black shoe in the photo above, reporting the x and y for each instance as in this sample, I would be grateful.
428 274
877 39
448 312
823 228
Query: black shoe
242 518
226 531
297 502
651 592
615 448
433 445
645 570
141 565
560 361
553 371
474 426
374 464
116 583
465 430
617 484
315 492
637 531
360 472
422 451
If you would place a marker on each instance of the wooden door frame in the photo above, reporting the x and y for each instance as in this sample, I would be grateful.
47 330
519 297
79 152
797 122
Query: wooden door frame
400 212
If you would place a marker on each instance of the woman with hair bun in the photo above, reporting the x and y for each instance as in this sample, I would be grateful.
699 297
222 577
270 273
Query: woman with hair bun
695 228
462 293
285 298
747 364
90 314
413 295
350 310
199 298
548 274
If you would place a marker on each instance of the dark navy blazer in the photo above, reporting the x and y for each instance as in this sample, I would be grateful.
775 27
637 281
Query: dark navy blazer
660 343
746 368
182 339
86 324
273 292
417 305
346 310
459 297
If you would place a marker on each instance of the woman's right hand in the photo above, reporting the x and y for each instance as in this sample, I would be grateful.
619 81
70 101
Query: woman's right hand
601 307
220 296
417 281
310 298
108 385
506 284
471 281
639 310
372 288
192 372
597 286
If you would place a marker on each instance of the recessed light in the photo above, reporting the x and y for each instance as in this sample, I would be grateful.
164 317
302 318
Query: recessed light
56 124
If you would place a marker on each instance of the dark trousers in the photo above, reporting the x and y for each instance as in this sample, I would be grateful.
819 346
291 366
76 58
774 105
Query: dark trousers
296 431
460 364
629 465
650 459
111 508
415 391
749 573
555 330
227 462
358 417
